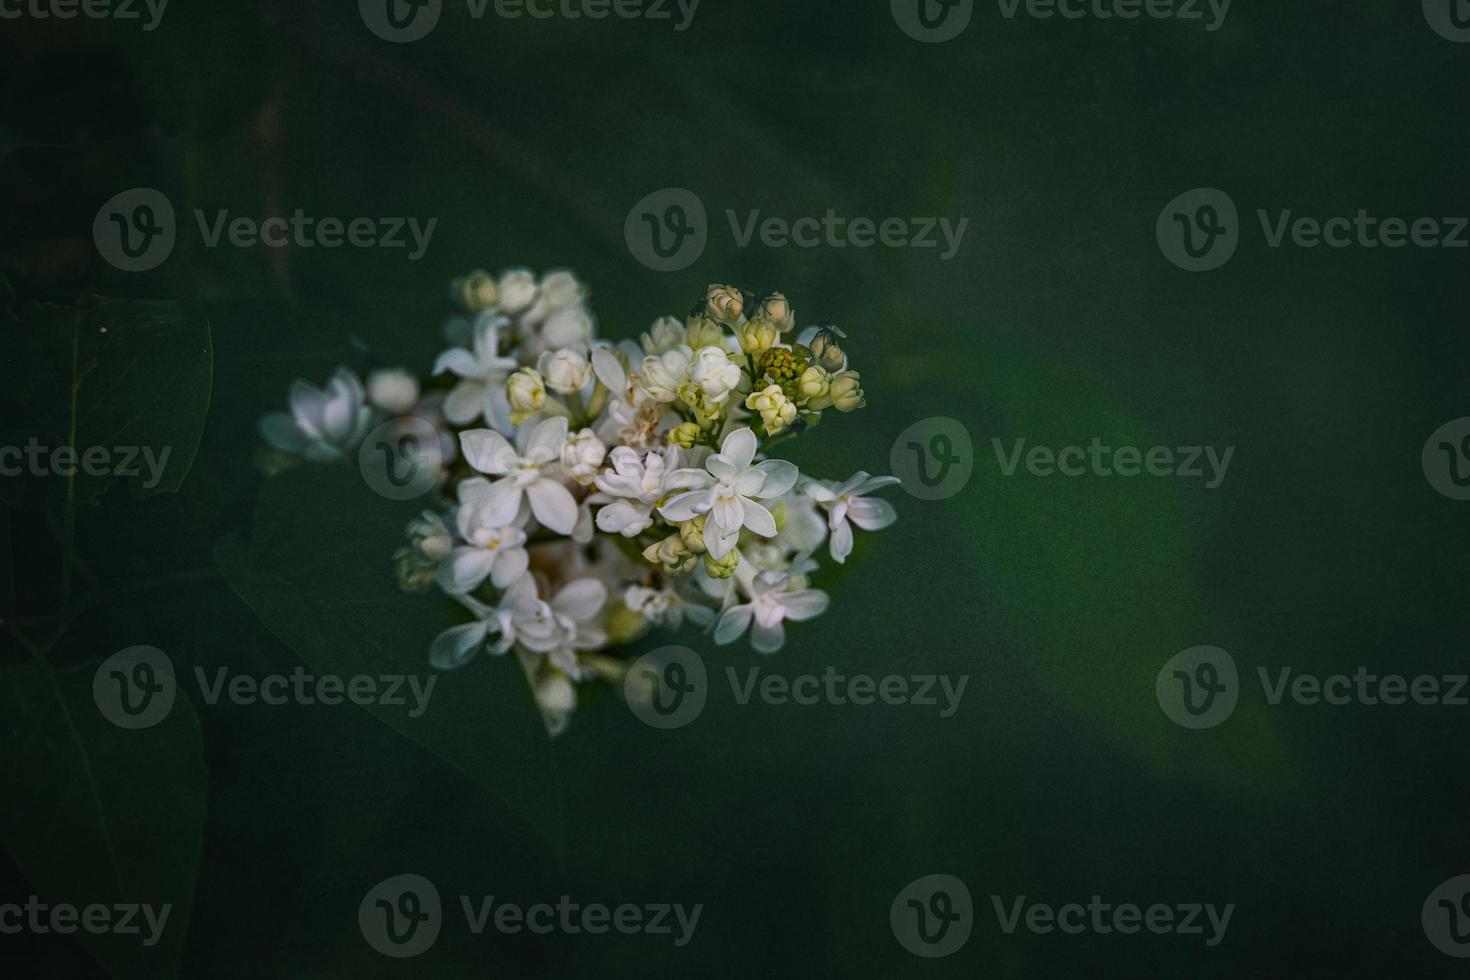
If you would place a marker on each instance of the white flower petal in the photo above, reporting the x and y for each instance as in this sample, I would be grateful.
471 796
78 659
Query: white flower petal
871 514
739 447
487 451
732 623
758 519
780 475
686 506
768 638
279 429
581 600
510 565
553 505
805 604
841 543
457 646
465 570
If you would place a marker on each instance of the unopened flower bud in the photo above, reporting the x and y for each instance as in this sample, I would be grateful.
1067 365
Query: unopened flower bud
722 567
527 393
776 308
672 554
692 533
701 331
582 455
393 390
725 304
517 289
814 384
757 336
475 292
684 435
776 410
665 334
826 352
846 392
565 370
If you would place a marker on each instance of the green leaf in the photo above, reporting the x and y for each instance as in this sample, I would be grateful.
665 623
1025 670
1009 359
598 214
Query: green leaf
128 379
319 572
97 814
1098 574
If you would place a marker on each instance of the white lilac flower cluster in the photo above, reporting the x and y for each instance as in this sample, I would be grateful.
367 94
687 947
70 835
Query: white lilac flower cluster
594 490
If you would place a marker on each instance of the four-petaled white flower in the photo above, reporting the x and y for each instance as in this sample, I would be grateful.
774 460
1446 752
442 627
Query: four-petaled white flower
528 471
771 603
494 550
482 373
849 502
458 645
322 425
634 487
728 491
571 621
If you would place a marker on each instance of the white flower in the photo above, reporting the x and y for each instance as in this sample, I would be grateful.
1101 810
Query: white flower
715 375
494 549
561 289
322 425
666 607
393 390
458 645
635 485
848 501
525 471
665 334
663 374
565 370
729 491
571 621
582 456
771 603
482 373
516 289
804 529
563 328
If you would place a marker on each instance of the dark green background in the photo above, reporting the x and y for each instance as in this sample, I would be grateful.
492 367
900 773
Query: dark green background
1325 549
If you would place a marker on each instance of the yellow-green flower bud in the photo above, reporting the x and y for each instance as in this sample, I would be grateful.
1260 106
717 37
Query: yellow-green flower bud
847 393
684 435
703 332
672 554
783 366
475 292
692 534
724 567
527 394
757 336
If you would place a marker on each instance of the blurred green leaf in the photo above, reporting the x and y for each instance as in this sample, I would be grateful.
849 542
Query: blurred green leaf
319 573
96 814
